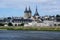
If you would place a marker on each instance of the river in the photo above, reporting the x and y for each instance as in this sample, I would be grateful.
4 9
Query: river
28 35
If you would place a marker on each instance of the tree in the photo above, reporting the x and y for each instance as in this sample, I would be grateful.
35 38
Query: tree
22 24
9 18
58 17
10 24
1 24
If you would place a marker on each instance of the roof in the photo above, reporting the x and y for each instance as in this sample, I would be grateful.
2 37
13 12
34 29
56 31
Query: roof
18 20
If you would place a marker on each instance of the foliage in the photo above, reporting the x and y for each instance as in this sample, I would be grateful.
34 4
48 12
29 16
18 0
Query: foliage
22 24
10 24
1 24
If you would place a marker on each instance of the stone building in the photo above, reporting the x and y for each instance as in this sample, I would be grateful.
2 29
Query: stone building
27 13
35 20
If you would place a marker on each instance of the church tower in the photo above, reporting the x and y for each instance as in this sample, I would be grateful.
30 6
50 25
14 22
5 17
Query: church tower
30 12
36 12
27 13
37 17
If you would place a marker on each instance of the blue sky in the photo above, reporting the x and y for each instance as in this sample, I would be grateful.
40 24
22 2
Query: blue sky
17 7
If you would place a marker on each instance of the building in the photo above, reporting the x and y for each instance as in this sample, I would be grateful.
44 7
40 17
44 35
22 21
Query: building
35 20
18 22
27 13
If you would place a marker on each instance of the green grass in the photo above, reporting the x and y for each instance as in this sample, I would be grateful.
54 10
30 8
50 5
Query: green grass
31 28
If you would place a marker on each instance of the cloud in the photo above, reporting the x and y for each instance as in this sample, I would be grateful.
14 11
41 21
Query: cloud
44 5
36 1
19 3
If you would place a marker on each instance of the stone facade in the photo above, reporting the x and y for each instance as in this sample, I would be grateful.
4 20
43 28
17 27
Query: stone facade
35 20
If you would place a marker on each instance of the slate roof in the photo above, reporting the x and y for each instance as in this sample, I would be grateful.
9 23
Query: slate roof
23 20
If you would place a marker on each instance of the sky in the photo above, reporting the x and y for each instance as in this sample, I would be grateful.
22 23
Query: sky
17 7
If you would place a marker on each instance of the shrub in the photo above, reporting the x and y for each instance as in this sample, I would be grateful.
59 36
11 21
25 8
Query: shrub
10 24
22 24
1 24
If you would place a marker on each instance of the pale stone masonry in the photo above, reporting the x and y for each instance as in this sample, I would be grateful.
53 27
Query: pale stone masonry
31 21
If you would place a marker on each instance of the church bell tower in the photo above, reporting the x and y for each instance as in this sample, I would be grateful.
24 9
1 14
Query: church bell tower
27 13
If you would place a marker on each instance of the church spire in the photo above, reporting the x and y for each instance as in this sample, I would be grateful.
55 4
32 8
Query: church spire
29 9
25 10
36 8
36 12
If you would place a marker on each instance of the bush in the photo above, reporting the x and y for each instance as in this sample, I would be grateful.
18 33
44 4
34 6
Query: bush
22 24
1 24
10 24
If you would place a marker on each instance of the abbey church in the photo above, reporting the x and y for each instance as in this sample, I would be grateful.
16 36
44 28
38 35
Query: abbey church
28 14
32 20
40 21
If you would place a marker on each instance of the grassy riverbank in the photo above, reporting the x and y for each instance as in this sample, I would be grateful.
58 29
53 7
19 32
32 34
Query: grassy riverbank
31 28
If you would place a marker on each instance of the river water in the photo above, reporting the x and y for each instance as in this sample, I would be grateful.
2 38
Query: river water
28 35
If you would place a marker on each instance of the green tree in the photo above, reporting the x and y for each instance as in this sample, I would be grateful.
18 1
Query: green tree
10 24
1 24
22 24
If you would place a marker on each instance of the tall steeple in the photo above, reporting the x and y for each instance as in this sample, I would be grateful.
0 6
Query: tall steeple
30 10
36 12
27 13
25 10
